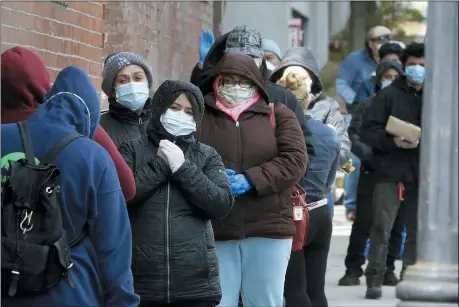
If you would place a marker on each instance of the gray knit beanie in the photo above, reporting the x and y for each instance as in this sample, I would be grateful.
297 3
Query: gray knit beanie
117 61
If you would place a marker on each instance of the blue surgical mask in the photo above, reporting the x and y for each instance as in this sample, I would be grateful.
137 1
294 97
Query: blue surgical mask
132 95
415 74
385 83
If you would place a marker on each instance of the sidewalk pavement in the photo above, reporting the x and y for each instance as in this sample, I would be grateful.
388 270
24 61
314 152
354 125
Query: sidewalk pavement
349 296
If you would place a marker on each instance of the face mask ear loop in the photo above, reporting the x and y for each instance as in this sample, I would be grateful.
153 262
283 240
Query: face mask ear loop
80 99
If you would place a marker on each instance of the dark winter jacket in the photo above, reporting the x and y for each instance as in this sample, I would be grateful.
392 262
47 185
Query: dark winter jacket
276 93
174 255
359 148
90 194
272 161
123 124
405 103
322 108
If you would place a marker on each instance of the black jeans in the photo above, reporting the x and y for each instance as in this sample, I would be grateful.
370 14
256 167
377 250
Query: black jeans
179 304
305 277
387 206
361 227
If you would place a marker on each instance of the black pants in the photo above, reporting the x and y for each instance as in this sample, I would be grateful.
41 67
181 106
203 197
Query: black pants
387 206
305 277
179 304
361 227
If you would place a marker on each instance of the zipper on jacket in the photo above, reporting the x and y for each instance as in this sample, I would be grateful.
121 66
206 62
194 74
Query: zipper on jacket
237 124
140 121
241 166
168 247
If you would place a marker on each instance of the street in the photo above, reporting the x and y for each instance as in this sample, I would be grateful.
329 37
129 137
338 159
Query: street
349 296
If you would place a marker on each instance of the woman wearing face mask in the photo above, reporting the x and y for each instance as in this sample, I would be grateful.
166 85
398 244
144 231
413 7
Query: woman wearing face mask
127 79
181 185
265 155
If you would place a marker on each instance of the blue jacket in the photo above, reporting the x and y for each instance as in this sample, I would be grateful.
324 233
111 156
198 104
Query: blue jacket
90 193
365 91
322 168
355 69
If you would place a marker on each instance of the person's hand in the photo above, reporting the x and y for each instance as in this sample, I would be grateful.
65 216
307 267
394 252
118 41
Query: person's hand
230 172
239 184
174 155
401 143
206 40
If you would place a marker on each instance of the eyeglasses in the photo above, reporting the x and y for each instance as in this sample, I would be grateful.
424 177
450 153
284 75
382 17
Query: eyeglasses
383 38
242 83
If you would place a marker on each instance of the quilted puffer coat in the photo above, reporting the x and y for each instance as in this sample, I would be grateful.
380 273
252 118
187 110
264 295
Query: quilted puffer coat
174 256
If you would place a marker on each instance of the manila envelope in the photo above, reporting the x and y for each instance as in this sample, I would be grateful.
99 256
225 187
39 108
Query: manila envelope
397 127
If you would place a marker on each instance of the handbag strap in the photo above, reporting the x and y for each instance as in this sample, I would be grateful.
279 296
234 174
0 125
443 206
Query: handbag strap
26 142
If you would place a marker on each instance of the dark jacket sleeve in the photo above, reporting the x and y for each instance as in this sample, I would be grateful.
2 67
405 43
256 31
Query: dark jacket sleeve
196 75
149 175
124 172
209 189
373 129
359 148
289 166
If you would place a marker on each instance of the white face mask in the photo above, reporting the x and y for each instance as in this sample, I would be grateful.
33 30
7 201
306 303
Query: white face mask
132 95
178 123
270 66
236 94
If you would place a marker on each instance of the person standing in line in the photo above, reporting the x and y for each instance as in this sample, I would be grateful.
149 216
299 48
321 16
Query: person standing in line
90 198
127 80
354 70
396 166
386 73
305 277
181 185
244 40
25 80
321 107
263 150
272 54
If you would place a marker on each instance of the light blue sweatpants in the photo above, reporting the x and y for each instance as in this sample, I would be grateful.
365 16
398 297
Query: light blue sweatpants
255 267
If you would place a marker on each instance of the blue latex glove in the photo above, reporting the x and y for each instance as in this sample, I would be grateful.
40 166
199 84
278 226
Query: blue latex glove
206 40
239 185
230 172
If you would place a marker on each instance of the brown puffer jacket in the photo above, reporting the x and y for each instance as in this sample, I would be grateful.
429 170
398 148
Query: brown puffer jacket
272 161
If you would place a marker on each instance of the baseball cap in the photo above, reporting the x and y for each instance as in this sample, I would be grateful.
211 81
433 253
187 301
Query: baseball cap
379 33
245 40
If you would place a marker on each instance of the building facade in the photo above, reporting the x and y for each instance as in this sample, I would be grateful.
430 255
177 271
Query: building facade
306 23
83 33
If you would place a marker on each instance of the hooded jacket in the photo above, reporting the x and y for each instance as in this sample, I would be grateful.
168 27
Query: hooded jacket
276 93
359 148
25 80
90 193
405 103
322 108
174 258
272 159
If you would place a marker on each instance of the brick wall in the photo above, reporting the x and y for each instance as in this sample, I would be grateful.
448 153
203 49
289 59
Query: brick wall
62 36
83 33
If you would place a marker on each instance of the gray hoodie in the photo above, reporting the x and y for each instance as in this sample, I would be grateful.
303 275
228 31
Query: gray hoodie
321 107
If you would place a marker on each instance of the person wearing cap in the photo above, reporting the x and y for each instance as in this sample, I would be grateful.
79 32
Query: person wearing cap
127 80
397 167
390 51
272 54
244 40
386 72
354 70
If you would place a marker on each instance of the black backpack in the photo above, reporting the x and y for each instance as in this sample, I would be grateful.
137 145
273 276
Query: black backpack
35 248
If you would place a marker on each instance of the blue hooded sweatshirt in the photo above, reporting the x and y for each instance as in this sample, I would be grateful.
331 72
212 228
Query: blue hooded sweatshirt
90 193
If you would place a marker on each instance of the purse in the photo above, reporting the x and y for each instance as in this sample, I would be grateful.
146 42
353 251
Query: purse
300 217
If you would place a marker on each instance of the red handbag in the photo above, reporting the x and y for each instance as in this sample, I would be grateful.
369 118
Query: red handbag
300 217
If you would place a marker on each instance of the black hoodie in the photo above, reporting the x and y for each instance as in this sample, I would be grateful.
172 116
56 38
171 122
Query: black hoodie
174 258
276 93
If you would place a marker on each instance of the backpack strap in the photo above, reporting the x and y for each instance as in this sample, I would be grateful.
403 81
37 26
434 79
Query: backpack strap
49 157
26 142
79 238
272 115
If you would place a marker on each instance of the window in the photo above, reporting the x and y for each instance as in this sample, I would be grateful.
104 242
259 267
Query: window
297 29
